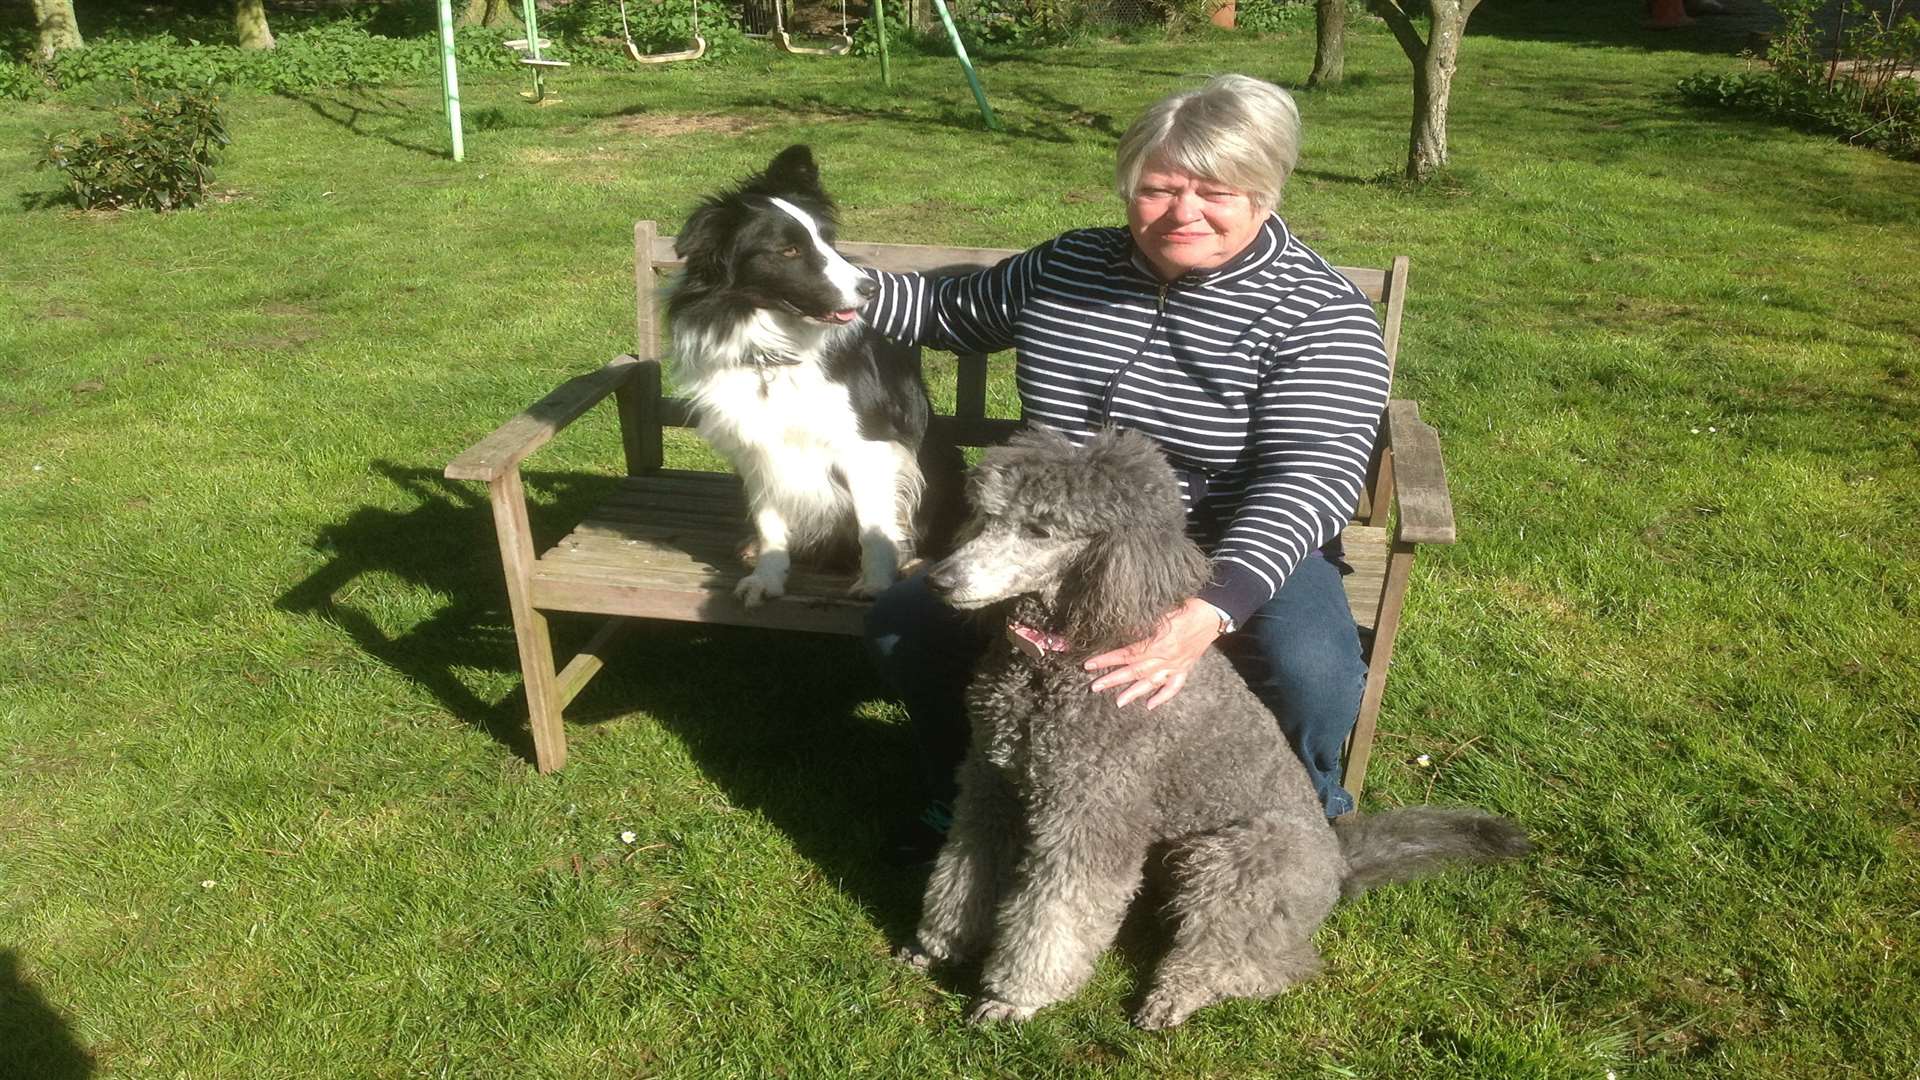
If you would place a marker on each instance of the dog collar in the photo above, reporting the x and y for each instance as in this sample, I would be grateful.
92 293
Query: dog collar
1034 641
764 359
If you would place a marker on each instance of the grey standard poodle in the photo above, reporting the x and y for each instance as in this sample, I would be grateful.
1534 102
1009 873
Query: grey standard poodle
1064 796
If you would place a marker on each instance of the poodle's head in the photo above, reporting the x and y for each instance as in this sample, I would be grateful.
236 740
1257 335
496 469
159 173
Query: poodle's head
1095 534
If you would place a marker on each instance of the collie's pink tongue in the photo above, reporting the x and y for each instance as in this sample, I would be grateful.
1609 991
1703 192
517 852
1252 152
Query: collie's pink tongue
846 316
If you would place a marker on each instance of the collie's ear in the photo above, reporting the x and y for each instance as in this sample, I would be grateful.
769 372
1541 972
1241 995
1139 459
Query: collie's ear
793 169
1125 582
706 242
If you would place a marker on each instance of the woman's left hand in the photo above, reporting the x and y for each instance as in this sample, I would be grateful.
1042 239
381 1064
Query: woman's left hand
1159 664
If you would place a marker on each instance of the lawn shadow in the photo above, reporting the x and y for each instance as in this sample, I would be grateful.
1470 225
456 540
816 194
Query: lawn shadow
34 1038
815 107
348 114
1622 25
774 719
781 723
444 544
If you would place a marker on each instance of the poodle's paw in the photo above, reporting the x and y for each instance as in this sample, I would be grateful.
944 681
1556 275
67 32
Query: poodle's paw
757 588
1166 1008
990 1011
938 948
914 956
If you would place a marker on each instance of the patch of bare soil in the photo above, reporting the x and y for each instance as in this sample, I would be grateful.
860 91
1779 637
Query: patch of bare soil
659 124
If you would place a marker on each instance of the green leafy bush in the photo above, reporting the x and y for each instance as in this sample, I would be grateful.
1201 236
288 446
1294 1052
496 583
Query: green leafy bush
20 82
157 156
902 38
1273 16
1019 22
656 25
339 53
1845 78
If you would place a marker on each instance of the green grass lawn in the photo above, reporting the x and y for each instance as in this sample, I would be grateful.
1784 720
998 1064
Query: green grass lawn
263 811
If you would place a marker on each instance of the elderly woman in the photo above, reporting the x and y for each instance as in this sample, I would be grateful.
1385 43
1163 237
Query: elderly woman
1259 369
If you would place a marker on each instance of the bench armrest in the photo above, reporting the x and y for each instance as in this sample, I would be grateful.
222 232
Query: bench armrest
1425 510
502 451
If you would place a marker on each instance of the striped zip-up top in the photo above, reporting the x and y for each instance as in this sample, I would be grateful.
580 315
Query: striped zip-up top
1263 379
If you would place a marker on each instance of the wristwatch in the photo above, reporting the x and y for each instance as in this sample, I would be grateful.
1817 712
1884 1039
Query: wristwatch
1226 621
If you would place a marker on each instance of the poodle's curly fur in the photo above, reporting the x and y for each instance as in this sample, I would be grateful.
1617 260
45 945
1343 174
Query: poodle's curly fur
1064 796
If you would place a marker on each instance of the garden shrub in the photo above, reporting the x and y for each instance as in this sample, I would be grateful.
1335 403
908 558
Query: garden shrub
336 54
903 39
1273 16
157 156
657 26
1861 90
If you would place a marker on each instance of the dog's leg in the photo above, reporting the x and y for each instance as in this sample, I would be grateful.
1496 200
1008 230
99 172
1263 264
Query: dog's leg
956 921
1246 901
874 478
1073 887
769 577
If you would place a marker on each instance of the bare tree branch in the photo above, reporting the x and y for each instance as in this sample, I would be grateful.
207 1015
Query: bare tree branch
1402 26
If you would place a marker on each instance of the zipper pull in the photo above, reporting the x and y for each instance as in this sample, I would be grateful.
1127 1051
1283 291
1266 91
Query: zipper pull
1162 306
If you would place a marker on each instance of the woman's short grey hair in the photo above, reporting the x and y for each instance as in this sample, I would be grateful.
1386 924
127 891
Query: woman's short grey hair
1237 130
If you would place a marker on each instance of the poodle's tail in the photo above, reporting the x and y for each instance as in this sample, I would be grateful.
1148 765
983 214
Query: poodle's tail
1400 845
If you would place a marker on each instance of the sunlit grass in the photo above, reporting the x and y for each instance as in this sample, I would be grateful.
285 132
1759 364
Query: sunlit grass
253 640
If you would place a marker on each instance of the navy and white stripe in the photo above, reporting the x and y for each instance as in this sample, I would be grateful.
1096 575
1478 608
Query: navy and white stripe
1263 379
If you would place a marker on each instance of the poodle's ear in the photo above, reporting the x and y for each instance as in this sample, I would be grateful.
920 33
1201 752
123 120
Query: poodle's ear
1125 583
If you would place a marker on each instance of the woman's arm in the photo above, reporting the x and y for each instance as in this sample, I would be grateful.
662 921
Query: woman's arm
1318 411
970 313
1321 396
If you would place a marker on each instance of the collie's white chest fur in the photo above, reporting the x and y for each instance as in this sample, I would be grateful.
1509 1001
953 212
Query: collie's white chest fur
765 402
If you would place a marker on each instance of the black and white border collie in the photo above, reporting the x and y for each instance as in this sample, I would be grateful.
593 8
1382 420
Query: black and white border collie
822 418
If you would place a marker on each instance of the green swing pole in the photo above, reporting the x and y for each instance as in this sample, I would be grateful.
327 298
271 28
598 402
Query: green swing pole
880 27
530 17
979 95
449 78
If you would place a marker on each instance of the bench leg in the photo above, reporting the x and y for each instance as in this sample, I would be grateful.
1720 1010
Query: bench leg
1385 628
529 625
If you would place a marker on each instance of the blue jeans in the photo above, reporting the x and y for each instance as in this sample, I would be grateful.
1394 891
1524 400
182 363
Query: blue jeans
1300 654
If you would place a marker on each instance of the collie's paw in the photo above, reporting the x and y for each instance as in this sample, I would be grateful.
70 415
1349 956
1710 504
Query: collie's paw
914 956
757 588
871 585
989 1011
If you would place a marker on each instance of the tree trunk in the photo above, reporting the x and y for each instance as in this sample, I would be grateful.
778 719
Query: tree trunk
250 24
1433 90
59 31
1434 61
1427 147
1330 55
485 13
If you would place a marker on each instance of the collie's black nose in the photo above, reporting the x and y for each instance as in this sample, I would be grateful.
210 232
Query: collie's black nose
943 578
866 288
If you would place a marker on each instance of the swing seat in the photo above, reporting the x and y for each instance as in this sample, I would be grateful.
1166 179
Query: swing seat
521 43
839 48
541 61
699 49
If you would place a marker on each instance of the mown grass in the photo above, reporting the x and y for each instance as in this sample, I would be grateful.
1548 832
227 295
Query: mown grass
262 812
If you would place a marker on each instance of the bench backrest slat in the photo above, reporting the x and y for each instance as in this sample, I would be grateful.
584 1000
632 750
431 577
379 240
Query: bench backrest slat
970 426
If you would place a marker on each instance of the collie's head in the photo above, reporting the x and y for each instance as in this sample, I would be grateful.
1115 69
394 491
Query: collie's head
768 244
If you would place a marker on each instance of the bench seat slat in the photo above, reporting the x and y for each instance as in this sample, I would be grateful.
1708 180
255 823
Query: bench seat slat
679 532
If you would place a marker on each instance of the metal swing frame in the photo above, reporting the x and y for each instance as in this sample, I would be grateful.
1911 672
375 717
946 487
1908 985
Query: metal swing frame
698 50
533 43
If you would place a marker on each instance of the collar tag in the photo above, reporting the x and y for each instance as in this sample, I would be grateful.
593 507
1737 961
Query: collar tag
1036 643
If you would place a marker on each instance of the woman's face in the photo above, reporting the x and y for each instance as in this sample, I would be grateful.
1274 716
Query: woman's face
1184 222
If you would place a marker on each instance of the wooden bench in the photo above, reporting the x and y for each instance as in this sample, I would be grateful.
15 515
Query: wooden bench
665 545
